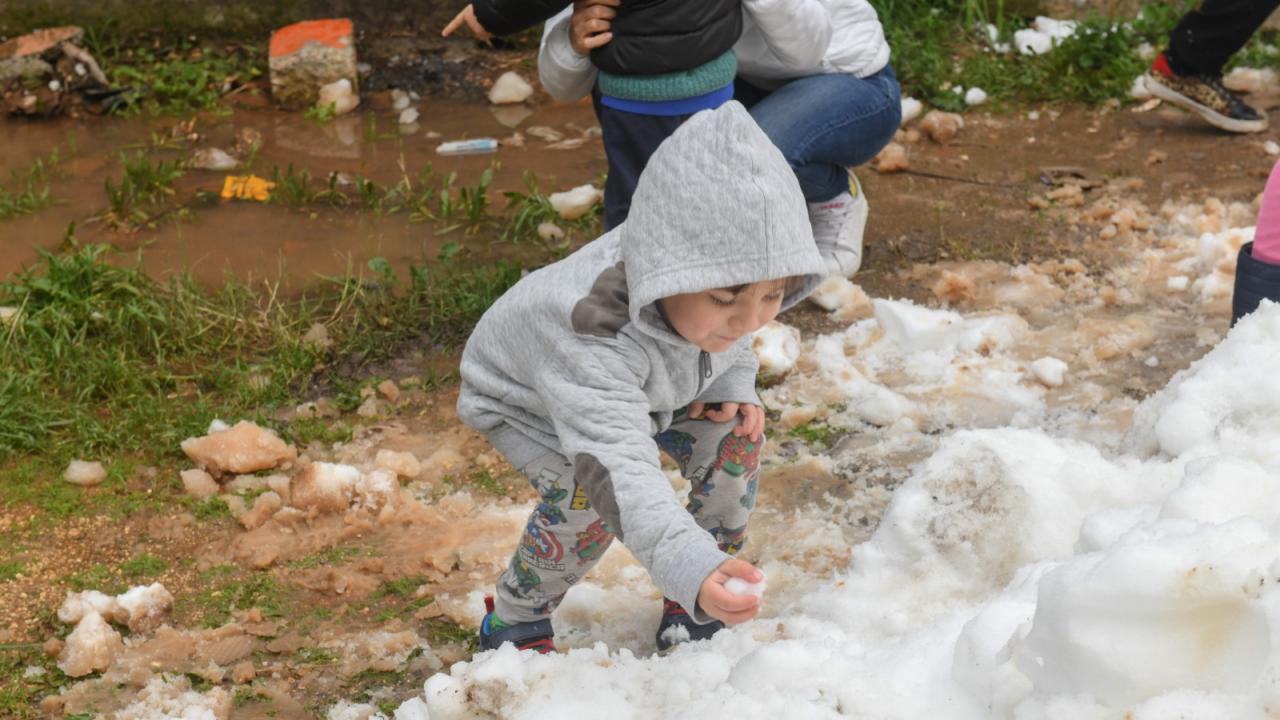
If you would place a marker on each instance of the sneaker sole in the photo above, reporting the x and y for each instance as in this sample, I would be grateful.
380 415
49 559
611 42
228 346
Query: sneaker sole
1209 115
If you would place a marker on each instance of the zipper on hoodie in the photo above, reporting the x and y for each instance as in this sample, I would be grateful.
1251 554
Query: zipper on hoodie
704 369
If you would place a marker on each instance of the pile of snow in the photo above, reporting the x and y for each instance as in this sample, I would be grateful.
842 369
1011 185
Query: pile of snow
1043 35
1014 574
168 697
93 645
777 346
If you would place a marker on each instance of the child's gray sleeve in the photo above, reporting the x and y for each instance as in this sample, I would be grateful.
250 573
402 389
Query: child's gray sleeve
601 417
564 73
738 383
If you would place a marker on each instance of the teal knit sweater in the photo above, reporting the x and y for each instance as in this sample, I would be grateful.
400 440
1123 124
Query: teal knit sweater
672 86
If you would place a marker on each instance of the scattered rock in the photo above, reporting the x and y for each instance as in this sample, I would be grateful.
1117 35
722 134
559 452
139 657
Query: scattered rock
577 202
509 89
306 56
213 159
199 484
91 647
85 474
340 95
244 448
325 487
389 390
893 158
941 127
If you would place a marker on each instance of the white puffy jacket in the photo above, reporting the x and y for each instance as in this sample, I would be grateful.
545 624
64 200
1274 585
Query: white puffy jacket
781 39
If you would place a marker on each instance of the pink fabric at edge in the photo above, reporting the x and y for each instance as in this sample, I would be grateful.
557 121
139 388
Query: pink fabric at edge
1266 239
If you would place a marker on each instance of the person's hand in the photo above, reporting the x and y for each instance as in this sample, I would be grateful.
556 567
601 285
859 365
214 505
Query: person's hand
589 28
467 17
723 605
752 424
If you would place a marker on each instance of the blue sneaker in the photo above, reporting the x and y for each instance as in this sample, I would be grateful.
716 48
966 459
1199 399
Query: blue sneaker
525 635
677 627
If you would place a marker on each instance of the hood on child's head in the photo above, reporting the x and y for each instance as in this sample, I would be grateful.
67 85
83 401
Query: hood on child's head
717 206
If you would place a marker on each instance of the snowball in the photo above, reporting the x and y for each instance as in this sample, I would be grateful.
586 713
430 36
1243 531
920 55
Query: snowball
85 474
911 109
738 586
510 88
1271 147
1177 283
145 606
408 116
77 605
575 203
891 159
941 127
340 95
975 96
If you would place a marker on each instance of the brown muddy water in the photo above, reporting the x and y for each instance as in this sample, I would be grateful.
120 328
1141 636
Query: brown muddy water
267 241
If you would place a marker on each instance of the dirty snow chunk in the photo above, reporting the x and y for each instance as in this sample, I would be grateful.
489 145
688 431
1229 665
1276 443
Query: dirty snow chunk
891 159
317 336
377 489
1272 147
917 328
1152 361
510 88
389 390
325 486
550 232
1251 80
1049 371
1138 90
941 127
738 586
400 99
1177 283
244 448
91 647
408 116
354 711
85 474
146 606
404 464
911 109
214 158
412 709
777 347
340 95
575 203
198 483
1043 35
676 634
264 506
170 697
32 671
8 312
77 605
975 96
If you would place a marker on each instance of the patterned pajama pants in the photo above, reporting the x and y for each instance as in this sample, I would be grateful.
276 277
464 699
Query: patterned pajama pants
565 537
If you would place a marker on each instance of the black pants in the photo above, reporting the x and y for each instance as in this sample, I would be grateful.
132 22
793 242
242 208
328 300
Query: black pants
629 140
1207 37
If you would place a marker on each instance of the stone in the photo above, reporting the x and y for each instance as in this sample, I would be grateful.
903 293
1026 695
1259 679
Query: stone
339 95
577 202
243 448
326 487
198 483
509 89
84 474
306 56
91 647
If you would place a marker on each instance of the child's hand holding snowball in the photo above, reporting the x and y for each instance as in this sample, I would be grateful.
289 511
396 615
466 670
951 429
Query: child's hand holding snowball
731 593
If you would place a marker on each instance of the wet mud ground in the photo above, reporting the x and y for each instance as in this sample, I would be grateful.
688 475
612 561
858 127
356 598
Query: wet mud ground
345 608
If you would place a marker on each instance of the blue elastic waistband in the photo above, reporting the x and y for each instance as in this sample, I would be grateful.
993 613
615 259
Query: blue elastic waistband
683 106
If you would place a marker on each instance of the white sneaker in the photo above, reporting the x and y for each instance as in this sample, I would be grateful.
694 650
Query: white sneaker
838 224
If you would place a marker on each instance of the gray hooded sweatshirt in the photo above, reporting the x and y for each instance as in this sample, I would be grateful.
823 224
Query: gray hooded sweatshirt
576 358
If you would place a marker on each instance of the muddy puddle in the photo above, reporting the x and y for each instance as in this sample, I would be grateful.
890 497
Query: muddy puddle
216 238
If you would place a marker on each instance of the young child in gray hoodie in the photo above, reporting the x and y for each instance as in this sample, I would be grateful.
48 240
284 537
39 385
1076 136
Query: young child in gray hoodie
641 342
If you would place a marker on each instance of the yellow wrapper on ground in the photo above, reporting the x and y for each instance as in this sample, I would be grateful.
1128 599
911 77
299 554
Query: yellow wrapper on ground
246 187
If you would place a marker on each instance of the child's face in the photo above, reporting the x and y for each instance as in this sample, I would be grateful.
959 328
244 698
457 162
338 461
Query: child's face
715 319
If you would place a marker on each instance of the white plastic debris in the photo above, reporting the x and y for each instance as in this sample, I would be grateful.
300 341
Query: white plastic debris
510 88
1049 371
575 203
84 473
340 94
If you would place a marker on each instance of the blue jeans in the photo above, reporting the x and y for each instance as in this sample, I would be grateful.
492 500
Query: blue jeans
826 123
